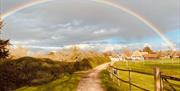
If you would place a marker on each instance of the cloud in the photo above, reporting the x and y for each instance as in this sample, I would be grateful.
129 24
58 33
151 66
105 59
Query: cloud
96 47
99 32
67 22
24 42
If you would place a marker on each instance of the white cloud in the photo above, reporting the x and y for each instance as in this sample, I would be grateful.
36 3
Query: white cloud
26 42
60 25
96 47
147 45
101 31
54 37
68 22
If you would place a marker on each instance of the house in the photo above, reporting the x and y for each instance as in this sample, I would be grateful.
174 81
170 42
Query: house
126 56
137 55
168 55
144 53
175 54
165 56
117 58
151 56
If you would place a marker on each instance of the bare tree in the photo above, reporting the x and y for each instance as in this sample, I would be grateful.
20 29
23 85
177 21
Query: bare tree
4 52
127 52
1 24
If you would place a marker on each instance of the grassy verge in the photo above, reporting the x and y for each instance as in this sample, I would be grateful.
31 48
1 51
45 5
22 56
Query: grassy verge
65 83
167 67
107 82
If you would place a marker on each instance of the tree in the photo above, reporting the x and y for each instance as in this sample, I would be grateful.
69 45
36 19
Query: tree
147 49
127 52
4 52
1 24
18 51
75 53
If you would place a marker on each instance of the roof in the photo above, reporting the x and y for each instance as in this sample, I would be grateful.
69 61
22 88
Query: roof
144 53
137 53
116 56
176 53
151 55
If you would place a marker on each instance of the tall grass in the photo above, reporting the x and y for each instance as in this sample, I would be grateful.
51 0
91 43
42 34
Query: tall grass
108 84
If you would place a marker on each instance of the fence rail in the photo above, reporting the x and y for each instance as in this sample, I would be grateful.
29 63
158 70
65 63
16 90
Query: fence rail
129 82
170 77
159 78
145 73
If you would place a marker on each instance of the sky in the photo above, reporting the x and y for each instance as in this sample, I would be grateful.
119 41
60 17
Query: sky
60 24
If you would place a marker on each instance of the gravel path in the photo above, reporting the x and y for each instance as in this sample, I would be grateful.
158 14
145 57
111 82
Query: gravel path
91 81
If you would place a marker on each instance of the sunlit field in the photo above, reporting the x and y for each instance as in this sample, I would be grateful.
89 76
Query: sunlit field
170 67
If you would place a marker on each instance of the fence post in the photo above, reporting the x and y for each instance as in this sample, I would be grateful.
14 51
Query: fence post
130 80
113 78
117 78
162 83
157 79
110 70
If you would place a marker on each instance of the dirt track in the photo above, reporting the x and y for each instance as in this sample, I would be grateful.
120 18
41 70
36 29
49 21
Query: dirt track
91 81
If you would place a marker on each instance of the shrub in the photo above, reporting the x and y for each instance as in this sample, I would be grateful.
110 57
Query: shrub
30 71
35 71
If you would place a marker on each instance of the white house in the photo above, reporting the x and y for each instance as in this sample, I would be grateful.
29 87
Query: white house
117 58
137 55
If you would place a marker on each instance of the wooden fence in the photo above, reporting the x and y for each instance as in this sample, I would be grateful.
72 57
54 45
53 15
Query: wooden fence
159 79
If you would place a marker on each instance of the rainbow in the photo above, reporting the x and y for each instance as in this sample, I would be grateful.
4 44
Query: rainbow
32 3
106 2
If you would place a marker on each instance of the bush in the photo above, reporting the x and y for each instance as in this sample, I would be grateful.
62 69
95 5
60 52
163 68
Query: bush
35 71
30 71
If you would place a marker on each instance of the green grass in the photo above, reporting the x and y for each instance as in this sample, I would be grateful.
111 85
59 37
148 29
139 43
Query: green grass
167 67
65 83
107 83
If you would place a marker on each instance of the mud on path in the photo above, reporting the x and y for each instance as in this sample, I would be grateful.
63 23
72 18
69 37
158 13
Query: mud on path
91 81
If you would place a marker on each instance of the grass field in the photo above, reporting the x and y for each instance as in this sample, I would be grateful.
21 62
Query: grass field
66 83
168 67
